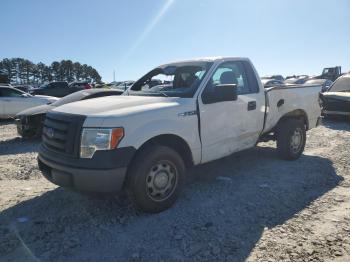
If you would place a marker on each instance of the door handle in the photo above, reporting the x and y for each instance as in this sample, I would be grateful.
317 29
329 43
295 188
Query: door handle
251 105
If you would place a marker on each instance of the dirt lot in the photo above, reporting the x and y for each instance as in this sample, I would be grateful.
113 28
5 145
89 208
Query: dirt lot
249 206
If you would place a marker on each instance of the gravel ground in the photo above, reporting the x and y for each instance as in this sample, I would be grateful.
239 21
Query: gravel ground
249 206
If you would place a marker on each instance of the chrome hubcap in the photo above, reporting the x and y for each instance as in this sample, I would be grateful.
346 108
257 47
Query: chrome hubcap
296 140
161 180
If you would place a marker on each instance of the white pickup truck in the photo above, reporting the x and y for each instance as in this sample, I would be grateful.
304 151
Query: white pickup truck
145 140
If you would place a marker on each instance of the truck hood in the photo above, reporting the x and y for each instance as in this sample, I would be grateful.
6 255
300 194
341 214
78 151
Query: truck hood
119 105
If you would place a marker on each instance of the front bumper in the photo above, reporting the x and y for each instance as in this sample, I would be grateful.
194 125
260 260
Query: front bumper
90 175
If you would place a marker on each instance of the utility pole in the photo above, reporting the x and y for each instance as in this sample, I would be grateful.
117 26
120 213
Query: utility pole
113 75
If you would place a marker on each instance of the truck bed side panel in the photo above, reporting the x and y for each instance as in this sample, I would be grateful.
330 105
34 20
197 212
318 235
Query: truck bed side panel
289 99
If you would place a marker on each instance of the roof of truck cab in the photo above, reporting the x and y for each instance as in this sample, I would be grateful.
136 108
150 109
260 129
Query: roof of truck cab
206 59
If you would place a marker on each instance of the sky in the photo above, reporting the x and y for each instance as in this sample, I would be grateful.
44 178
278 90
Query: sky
131 37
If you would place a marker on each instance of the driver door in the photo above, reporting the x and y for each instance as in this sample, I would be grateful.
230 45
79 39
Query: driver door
230 126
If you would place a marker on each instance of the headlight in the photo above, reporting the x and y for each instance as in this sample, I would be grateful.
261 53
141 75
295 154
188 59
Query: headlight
93 139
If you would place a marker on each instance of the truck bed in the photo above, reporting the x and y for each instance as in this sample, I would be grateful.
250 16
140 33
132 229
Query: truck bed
282 100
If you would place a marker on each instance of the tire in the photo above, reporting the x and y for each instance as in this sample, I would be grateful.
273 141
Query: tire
291 139
155 178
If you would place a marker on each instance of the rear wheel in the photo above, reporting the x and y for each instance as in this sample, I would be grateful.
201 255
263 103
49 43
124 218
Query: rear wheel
155 178
291 138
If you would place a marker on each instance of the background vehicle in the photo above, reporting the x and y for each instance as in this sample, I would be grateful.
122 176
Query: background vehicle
80 85
299 80
271 82
103 85
13 101
145 139
331 73
123 85
325 83
60 89
30 122
336 100
24 88
276 77
114 83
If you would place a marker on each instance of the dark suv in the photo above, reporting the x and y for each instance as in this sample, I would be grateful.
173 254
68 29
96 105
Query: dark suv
81 85
60 88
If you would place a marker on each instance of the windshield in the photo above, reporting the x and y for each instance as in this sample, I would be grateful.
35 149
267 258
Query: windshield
342 84
175 80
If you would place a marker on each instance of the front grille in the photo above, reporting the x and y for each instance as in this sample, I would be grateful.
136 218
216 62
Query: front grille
61 132
333 104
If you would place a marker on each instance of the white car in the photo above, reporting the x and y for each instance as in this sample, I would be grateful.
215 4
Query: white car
13 101
145 139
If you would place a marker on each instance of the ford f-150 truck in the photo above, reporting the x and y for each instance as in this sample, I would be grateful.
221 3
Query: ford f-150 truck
144 140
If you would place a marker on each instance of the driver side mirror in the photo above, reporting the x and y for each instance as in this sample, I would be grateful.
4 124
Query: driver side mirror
220 93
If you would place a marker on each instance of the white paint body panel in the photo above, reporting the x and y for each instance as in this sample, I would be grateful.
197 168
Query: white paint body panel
299 98
228 127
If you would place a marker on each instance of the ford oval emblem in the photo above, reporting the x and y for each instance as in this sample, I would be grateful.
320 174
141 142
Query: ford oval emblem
50 132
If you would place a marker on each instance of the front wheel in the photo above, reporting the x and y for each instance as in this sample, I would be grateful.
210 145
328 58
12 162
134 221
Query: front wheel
155 178
291 139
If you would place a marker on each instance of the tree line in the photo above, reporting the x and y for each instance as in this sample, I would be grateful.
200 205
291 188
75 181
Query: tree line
23 71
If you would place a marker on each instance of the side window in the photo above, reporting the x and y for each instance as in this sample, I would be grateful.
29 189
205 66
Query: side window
230 73
7 92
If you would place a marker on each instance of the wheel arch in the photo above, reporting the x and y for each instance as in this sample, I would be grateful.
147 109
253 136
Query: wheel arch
174 142
296 114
